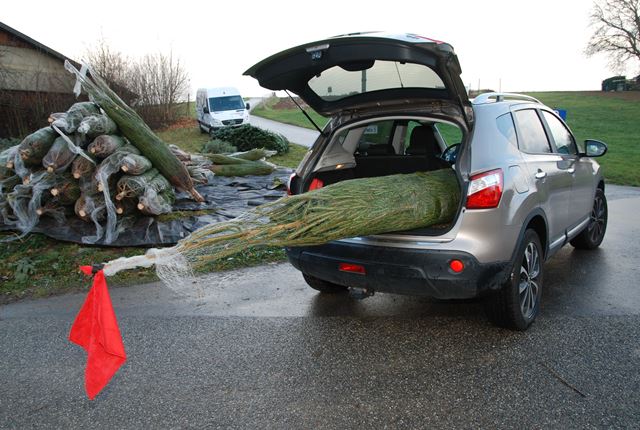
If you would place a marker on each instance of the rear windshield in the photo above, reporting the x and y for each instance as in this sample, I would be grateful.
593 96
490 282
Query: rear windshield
337 82
225 103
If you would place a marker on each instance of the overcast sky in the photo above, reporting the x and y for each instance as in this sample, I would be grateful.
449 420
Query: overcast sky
533 45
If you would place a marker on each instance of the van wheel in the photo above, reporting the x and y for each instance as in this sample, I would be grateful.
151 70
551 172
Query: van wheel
202 130
517 303
323 286
592 236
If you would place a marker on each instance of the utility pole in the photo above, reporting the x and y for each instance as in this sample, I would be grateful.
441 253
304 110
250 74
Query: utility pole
364 82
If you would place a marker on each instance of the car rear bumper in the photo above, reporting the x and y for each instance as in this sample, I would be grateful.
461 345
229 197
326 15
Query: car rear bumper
418 272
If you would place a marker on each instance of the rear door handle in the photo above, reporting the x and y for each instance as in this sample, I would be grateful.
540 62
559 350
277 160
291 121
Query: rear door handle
541 174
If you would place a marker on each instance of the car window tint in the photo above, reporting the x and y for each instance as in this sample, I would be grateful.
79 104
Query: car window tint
507 128
561 136
376 139
347 80
531 135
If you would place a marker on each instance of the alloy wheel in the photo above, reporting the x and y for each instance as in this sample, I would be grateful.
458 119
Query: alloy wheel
529 287
596 224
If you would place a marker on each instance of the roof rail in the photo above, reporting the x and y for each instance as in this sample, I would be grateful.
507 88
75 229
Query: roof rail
499 97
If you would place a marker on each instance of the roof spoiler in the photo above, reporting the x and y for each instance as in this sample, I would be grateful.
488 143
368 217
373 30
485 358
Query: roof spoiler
499 97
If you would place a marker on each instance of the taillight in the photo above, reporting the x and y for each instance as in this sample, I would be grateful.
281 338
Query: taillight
485 190
293 175
315 184
352 268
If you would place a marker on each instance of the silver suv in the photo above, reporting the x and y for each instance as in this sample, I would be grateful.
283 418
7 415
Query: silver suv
397 105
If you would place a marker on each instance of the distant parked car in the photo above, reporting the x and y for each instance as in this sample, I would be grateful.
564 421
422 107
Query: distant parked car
397 105
220 107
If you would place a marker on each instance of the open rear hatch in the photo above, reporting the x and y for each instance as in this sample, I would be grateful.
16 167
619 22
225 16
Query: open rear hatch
363 71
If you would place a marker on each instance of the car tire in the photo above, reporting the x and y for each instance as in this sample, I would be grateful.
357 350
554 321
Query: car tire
517 303
202 130
591 237
324 286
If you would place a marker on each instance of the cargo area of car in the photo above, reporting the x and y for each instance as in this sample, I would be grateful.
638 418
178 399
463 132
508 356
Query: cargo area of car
386 147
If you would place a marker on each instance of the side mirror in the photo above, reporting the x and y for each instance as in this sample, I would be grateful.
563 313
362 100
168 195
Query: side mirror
594 148
247 106
451 153
206 109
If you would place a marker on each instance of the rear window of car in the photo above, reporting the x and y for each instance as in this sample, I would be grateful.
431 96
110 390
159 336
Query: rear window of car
531 135
337 82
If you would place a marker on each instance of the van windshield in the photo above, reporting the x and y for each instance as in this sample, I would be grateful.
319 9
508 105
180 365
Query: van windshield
225 103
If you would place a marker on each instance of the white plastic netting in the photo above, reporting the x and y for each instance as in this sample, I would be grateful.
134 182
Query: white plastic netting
25 201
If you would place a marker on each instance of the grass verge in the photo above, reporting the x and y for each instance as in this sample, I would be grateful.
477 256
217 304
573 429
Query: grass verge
289 116
37 266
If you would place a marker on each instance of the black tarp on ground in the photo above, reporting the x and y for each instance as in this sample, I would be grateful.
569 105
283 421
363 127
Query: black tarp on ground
225 197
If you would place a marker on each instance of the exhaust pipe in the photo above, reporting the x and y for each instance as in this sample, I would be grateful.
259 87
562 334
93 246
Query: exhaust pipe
358 293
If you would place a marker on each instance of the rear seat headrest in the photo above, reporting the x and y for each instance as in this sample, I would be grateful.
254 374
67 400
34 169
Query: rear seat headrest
423 141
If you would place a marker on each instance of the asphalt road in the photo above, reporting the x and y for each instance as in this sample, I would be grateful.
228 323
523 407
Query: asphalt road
261 350
301 136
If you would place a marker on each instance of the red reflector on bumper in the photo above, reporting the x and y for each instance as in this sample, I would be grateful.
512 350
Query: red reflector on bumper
353 268
456 265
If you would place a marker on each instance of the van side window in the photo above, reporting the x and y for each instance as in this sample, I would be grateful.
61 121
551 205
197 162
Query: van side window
531 135
507 128
565 143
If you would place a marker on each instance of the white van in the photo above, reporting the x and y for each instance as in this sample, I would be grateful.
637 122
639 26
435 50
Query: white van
220 107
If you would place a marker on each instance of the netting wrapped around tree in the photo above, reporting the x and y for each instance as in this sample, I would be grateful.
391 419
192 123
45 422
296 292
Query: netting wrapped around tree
133 186
6 162
26 199
154 202
65 189
245 168
135 164
70 120
59 157
96 125
346 209
82 166
35 146
105 145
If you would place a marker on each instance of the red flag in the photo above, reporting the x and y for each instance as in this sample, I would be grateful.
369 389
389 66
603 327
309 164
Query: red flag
96 330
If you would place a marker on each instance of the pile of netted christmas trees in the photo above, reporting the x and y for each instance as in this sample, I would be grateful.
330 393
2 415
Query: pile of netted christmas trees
99 161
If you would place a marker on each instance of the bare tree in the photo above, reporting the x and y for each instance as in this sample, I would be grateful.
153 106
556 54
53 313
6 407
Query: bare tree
111 65
616 25
153 84
162 82
114 67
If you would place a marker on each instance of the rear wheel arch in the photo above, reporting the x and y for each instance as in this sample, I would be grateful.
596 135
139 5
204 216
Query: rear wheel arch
539 225
537 221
